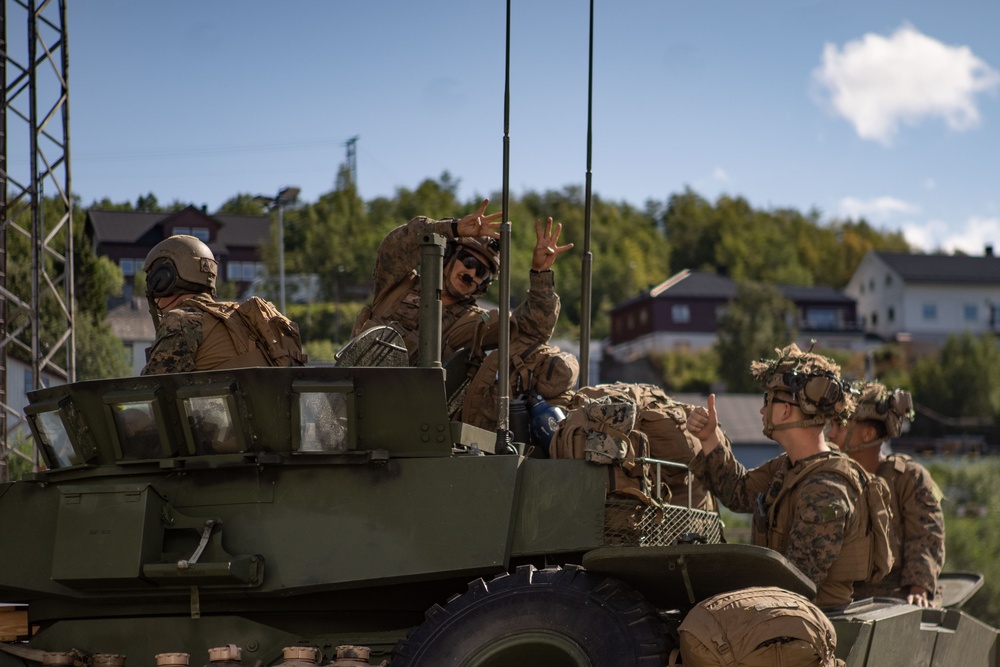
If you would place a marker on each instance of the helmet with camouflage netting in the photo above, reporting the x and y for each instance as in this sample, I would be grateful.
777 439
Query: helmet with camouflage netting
880 405
180 264
811 380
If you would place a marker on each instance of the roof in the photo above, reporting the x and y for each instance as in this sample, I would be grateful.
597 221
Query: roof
131 321
711 286
914 268
145 228
739 415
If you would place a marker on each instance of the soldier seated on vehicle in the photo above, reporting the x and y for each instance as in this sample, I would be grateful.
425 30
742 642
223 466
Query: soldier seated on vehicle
194 332
917 520
809 503
472 260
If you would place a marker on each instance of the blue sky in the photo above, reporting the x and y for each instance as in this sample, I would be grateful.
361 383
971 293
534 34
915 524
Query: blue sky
884 109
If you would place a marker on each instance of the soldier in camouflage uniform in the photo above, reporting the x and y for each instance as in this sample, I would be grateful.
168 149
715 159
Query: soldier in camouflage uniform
191 332
806 502
917 520
472 259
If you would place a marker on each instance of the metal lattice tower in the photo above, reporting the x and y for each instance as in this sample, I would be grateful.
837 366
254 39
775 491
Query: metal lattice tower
36 237
352 158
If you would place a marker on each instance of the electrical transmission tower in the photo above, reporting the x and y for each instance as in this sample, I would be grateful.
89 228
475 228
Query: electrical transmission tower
36 237
352 158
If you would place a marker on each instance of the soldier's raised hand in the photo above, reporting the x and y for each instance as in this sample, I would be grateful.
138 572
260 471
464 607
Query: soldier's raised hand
547 246
480 224
703 423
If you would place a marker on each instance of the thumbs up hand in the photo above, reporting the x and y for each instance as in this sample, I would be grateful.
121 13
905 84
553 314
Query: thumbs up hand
703 424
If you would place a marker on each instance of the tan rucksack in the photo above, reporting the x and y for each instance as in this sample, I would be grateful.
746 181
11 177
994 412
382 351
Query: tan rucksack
537 368
757 627
263 325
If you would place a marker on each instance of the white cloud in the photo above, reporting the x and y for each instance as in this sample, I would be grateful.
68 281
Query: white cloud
976 234
878 209
970 237
878 82
720 175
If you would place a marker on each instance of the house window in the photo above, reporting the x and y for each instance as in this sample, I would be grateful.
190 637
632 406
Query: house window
200 233
182 230
871 285
630 322
127 265
930 311
891 314
888 279
643 316
244 271
874 319
821 318
680 313
971 312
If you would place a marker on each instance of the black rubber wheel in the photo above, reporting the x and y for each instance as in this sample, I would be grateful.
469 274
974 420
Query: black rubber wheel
554 617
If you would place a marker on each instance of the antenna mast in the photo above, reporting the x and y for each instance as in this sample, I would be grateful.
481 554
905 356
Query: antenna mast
587 270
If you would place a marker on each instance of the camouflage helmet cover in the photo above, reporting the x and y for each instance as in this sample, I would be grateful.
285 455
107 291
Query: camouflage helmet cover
812 380
193 263
877 403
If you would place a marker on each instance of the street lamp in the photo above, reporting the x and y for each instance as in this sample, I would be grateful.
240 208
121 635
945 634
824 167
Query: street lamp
285 195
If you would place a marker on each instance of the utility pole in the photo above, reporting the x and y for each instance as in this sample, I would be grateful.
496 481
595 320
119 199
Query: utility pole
352 158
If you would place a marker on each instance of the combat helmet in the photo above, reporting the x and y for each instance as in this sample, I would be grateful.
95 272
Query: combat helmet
878 404
483 246
179 264
813 382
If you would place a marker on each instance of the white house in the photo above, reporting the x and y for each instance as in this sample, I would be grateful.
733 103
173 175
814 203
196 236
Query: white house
926 298
132 323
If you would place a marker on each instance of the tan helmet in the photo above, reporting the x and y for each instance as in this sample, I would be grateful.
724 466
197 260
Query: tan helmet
812 380
179 264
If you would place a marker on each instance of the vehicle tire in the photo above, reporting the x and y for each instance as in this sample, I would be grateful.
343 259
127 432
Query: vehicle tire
556 617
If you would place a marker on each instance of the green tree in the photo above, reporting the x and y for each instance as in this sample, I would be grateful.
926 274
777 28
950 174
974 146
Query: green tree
241 204
752 326
962 381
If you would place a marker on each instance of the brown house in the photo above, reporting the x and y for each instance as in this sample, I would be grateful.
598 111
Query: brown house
126 237
683 313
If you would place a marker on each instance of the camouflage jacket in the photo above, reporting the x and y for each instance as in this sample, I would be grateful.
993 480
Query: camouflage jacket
463 324
190 339
811 523
918 530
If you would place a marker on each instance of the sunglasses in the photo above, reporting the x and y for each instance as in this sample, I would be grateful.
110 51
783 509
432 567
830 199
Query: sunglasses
775 399
473 263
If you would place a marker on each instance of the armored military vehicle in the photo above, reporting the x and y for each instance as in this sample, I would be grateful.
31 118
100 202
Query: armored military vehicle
247 516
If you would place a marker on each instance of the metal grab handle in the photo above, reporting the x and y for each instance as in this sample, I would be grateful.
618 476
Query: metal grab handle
205 534
659 474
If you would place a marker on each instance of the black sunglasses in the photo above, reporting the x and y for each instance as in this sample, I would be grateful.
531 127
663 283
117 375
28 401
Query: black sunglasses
473 263
775 399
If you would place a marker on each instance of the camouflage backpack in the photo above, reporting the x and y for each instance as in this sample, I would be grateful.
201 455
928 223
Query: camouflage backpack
601 431
757 627
664 421
542 369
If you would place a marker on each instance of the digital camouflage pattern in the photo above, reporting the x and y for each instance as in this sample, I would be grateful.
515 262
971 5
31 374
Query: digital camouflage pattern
918 530
814 521
463 324
190 339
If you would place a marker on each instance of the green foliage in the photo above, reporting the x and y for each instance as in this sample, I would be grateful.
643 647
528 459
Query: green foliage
962 382
321 351
972 490
756 322
99 353
241 204
732 236
19 460
324 321
688 372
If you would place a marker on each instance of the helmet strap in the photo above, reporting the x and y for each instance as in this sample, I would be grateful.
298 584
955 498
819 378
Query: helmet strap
860 446
154 312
